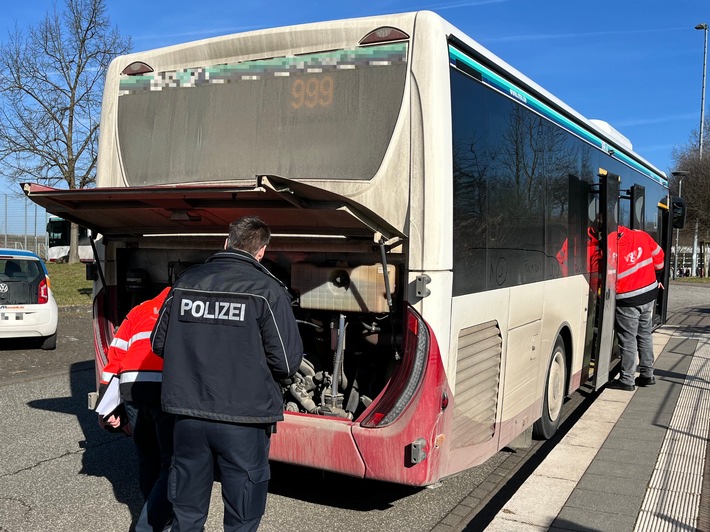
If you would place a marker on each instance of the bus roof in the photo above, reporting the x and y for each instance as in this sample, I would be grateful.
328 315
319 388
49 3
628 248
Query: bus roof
599 127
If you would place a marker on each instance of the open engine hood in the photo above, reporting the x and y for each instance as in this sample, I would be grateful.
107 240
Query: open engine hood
287 206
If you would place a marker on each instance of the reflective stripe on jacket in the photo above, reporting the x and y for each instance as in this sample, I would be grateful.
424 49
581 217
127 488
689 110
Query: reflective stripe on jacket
640 258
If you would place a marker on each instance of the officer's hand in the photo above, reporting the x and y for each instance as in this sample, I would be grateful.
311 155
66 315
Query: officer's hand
660 285
113 421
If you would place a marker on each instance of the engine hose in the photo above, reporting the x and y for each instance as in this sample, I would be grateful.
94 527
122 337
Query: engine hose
338 361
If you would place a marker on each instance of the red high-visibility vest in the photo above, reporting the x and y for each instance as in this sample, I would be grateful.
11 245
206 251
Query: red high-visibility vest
130 357
639 258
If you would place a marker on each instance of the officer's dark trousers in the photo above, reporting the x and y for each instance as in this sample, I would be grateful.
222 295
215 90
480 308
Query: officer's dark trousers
153 436
242 454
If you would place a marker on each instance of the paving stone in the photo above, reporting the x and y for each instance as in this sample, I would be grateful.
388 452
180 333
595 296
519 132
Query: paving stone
601 483
613 503
539 500
629 456
616 470
503 525
584 520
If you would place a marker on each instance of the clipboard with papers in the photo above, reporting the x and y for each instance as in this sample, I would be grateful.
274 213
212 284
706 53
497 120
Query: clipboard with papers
110 400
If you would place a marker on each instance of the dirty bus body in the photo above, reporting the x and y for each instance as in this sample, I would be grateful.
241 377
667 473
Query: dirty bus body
430 208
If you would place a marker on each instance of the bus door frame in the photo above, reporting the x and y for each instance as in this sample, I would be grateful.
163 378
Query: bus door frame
665 219
637 196
609 185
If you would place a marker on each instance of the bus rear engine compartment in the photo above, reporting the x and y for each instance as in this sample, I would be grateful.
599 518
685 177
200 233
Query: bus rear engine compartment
343 314
350 338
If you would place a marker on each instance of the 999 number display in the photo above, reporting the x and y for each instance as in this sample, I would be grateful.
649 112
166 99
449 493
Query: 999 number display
315 91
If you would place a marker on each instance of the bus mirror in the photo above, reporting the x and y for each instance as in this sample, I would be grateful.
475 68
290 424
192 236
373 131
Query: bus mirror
678 211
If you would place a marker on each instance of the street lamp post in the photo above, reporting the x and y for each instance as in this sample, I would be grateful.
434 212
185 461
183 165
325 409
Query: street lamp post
680 174
703 26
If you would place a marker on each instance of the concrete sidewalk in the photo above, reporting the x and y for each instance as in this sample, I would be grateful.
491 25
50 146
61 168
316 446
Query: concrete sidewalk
635 460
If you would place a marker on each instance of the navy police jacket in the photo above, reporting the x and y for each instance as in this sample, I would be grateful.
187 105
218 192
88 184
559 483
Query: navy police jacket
227 334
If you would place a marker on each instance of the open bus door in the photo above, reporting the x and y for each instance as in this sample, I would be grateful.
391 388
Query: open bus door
637 196
606 307
672 216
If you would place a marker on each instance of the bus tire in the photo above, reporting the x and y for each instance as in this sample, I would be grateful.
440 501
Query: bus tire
49 342
553 394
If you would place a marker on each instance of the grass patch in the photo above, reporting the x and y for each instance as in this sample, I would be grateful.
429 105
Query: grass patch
693 280
69 284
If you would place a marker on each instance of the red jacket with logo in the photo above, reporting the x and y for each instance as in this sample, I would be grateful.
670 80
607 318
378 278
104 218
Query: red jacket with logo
130 358
639 263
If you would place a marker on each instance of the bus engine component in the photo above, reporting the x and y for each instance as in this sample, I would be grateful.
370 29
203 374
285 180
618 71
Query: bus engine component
356 289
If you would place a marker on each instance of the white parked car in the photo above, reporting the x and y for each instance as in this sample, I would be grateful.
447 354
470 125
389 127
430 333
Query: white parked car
27 306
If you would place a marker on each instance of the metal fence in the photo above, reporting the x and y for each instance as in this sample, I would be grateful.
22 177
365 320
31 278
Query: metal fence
23 224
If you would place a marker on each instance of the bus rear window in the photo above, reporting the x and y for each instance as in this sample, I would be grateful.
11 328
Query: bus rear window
318 116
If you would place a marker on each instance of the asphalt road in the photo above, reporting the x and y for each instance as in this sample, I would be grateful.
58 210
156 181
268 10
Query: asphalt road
61 472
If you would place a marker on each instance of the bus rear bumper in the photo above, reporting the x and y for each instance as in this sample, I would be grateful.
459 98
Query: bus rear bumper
318 442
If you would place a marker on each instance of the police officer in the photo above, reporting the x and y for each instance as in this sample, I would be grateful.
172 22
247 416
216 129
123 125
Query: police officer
639 271
139 371
228 335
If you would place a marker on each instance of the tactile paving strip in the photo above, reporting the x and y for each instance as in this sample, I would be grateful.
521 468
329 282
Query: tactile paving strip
673 498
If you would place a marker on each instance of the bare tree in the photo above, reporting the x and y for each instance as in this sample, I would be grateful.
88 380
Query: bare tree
696 184
51 80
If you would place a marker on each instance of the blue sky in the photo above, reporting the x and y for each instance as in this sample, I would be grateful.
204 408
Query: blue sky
638 64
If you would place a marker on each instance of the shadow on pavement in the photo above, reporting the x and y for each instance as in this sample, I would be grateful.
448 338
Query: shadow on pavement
108 455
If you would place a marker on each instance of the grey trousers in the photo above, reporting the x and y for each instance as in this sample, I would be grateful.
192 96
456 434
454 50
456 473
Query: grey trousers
634 327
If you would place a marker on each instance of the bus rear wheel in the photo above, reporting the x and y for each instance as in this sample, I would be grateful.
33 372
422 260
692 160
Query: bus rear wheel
553 394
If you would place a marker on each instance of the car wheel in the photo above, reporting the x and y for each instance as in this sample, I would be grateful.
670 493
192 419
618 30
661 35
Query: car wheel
49 343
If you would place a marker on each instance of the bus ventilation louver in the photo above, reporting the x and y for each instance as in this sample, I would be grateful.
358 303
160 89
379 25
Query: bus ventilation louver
477 382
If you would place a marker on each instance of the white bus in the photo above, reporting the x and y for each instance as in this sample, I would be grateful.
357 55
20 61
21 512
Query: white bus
59 239
431 209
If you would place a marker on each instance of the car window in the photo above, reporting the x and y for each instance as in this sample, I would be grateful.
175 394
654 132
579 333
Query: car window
20 280
20 269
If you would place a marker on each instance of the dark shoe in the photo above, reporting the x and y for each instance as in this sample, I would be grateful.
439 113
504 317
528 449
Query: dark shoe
618 385
645 381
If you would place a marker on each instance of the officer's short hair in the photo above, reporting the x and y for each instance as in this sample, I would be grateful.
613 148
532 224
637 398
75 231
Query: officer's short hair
249 234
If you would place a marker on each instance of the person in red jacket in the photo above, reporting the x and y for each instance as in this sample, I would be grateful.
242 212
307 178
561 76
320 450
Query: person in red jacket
139 370
640 262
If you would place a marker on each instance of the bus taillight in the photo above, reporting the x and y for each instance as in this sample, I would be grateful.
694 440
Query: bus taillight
407 377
